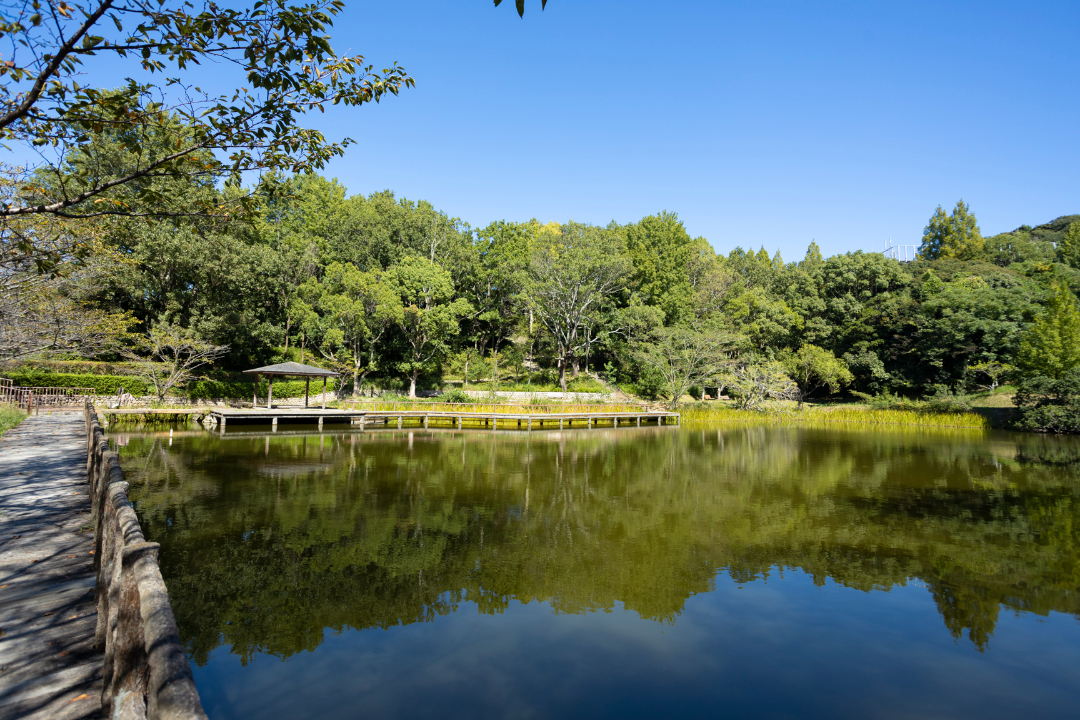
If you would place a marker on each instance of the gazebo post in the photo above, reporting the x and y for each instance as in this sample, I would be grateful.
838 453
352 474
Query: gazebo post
270 394
307 389
324 392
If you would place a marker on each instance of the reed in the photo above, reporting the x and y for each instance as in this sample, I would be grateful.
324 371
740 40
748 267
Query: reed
701 416
508 408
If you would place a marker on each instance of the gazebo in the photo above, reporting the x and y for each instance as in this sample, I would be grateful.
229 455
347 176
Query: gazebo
294 369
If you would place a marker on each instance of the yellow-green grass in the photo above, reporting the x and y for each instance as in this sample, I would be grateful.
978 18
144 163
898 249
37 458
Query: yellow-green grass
508 407
700 416
10 417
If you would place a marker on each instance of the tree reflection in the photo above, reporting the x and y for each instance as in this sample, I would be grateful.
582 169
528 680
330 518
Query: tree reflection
266 544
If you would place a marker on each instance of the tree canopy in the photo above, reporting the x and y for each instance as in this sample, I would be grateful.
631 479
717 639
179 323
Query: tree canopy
284 68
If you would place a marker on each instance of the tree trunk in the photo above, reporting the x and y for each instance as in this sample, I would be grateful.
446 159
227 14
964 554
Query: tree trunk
355 384
562 373
576 366
412 385
466 379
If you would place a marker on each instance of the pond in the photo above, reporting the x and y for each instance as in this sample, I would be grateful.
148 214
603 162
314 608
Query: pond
765 572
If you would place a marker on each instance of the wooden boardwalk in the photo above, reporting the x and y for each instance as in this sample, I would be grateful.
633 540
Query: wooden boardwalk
48 665
448 418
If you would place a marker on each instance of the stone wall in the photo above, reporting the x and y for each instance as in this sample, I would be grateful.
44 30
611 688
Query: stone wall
146 672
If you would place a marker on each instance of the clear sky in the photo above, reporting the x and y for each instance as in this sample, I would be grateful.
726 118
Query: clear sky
759 123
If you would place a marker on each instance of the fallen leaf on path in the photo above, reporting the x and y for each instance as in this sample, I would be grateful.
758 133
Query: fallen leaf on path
81 697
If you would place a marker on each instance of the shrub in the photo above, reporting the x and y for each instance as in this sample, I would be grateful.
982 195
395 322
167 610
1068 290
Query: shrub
1049 405
454 396
239 390
196 390
944 400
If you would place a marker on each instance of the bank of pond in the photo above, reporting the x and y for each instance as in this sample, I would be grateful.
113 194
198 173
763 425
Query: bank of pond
755 569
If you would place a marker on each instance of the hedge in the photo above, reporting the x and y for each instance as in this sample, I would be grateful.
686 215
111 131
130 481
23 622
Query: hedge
102 384
196 390
206 389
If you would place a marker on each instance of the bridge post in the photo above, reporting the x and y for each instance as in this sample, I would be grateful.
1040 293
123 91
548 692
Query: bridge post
398 421
273 424
320 423
459 422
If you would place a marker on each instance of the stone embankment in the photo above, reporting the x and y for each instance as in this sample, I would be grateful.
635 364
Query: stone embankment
146 671
85 624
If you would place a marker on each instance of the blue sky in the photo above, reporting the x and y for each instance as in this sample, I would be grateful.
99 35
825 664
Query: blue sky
759 123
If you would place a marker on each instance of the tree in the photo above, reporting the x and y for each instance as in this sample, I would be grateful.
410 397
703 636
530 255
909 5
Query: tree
47 266
1069 246
572 272
1051 348
362 307
430 315
756 385
279 50
39 314
992 373
956 235
686 358
813 367
168 356
660 249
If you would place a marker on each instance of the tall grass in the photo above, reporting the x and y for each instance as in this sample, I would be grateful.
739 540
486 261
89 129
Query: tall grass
705 415
10 417
512 408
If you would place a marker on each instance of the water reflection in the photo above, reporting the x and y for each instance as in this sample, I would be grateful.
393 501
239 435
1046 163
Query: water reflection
269 541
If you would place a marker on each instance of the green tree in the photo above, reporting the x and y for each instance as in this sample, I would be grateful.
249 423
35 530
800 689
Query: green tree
813 368
956 235
660 248
686 358
759 385
167 357
285 69
1069 246
363 307
572 272
430 316
1051 348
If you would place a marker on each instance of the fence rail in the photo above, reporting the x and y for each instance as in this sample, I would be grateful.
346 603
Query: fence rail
146 674
31 398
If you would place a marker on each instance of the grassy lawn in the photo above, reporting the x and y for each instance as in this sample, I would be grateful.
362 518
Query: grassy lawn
9 418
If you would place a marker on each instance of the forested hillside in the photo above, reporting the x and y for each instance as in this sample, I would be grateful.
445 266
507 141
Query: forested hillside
397 293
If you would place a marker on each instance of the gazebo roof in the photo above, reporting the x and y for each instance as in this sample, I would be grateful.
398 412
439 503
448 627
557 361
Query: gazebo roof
292 368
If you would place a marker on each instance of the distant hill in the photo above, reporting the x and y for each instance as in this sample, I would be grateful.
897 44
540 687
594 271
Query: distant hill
1047 232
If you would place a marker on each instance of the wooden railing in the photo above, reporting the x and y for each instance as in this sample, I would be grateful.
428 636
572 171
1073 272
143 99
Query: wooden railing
146 673
31 398
512 408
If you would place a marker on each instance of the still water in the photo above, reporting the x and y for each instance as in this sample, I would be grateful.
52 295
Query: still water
761 572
